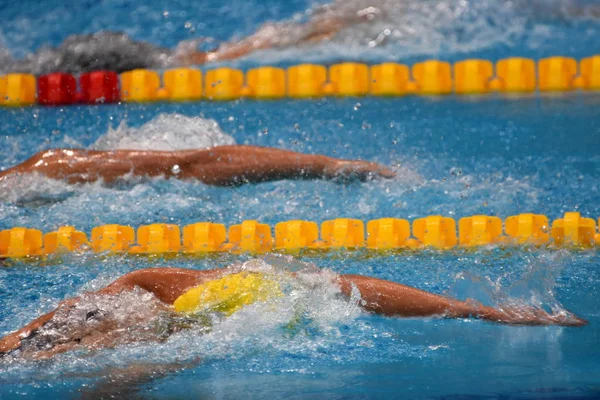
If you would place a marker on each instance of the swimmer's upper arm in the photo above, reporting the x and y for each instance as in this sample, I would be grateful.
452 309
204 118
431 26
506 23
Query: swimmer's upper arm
167 284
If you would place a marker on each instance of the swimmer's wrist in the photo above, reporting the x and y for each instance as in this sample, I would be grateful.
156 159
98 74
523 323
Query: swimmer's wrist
330 167
489 314
473 309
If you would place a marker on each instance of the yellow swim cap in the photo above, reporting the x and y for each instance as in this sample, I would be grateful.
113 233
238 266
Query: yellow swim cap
228 294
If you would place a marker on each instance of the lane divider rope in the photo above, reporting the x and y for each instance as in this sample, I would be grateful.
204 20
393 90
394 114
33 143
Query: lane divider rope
571 231
431 77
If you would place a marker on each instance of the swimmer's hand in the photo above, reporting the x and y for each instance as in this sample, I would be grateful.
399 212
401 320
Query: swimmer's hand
528 315
187 52
191 58
362 170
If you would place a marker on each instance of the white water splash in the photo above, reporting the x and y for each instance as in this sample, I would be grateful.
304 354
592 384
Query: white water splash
34 189
519 295
429 26
393 29
166 132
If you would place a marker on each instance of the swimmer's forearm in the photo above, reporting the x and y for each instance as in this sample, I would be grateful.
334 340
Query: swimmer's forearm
227 165
240 164
42 320
275 35
393 299
117 381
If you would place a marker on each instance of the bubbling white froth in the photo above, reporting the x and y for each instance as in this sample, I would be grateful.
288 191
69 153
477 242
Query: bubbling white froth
33 189
166 132
428 26
394 29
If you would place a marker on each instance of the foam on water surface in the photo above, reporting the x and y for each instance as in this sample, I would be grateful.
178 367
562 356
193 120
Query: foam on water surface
165 132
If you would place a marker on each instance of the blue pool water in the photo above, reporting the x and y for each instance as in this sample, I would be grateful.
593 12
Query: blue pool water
454 156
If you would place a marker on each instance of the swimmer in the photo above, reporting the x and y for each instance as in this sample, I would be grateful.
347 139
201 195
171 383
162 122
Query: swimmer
221 165
118 52
191 296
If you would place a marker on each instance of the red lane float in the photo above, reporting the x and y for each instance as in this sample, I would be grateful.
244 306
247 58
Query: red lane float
56 89
99 87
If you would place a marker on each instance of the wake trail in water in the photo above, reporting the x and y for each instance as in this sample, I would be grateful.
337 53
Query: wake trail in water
520 294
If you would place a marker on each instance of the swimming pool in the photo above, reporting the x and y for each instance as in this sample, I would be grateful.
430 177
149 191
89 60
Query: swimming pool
455 157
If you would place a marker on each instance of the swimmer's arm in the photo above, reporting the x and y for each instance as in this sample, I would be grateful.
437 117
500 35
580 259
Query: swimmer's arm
121 382
393 299
227 165
167 284
323 25
223 165
81 166
272 36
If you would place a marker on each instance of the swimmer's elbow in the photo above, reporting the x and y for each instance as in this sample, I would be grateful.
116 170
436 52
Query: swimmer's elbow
123 283
129 281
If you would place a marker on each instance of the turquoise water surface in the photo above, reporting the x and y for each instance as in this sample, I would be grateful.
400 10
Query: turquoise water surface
454 156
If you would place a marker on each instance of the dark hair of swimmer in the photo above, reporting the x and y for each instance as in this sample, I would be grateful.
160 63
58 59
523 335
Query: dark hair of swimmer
222 165
226 290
